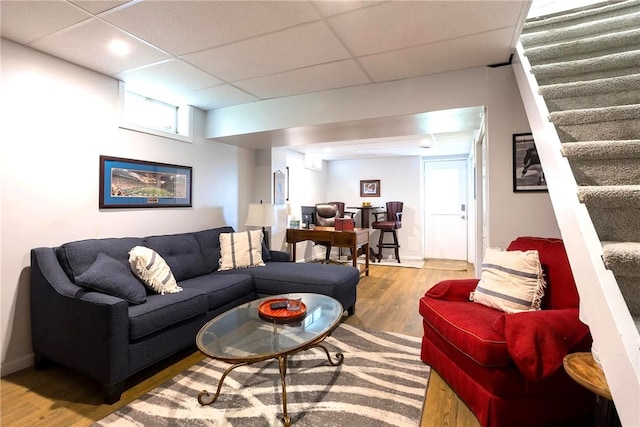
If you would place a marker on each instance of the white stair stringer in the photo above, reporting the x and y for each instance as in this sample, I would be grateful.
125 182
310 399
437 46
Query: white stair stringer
602 306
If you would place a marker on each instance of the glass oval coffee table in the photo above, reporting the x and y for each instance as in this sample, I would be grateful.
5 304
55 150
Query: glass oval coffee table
250 333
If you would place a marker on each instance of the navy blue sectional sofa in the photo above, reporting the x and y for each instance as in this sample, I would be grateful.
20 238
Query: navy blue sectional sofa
109 339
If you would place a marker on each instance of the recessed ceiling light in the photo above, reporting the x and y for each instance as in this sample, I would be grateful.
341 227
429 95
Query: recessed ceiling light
427 142
119 47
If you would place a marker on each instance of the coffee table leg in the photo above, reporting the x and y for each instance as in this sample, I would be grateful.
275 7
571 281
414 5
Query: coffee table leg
204 397
282 364
339 356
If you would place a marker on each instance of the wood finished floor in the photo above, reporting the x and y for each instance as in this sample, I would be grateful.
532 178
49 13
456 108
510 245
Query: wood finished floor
387 300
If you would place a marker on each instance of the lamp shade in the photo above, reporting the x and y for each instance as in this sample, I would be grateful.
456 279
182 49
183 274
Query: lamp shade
260 215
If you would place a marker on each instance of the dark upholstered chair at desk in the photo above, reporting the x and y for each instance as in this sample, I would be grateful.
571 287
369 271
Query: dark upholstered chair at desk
326 214
391 222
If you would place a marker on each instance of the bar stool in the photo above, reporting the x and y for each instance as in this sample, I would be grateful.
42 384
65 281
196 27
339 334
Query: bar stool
390 224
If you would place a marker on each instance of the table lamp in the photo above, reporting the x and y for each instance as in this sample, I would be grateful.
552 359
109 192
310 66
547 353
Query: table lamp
261 215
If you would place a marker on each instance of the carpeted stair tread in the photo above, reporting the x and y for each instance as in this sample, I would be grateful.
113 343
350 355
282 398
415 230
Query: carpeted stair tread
578 31
601 163
624 90
624 225
586 47
611 196
591 87
596 115
622 257
630 289
613 65
614 211
602 150
582 15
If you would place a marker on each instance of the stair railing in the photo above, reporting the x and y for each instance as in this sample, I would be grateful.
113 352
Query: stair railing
602 306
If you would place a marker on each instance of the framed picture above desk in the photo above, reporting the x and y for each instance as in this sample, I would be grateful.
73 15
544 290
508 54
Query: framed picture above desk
370 188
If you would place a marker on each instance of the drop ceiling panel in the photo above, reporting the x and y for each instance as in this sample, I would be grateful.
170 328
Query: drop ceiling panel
329 8
88 44
168 77
396 25
181 27
218 54
218 97
26 21
302 46
99 6
460 53
311 79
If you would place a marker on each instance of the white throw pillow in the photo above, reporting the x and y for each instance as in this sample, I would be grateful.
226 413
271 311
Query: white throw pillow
153 270
239 250
511 281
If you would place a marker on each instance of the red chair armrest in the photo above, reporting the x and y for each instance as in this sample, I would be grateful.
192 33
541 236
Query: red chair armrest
453 290
537 341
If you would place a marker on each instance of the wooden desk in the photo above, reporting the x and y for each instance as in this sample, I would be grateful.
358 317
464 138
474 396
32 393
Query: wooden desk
585 371
353 239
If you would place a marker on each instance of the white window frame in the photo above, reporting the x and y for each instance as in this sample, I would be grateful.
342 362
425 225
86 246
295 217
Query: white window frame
184 119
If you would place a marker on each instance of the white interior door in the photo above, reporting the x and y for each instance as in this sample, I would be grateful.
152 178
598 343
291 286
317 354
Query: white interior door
446 209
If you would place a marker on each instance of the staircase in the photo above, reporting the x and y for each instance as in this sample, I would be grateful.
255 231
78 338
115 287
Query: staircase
579 77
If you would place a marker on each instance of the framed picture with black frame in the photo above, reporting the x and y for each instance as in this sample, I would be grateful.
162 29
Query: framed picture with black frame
528 175
129 183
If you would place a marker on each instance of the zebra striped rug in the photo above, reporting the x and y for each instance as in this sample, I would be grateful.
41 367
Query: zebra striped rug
381 382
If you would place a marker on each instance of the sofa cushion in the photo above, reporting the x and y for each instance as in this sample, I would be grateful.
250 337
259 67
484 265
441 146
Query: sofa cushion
163 311
209 241
221 289
154 272
112 277
266 253
337 281
511 281
469 328
182 254
240 250
80 255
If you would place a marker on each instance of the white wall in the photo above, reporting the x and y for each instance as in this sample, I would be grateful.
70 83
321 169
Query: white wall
306 188
509 215
400 180
57 119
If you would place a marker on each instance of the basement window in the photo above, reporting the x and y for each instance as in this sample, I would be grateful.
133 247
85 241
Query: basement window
153 116
312 162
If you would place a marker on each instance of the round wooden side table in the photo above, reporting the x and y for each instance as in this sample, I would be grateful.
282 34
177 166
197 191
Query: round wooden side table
585 371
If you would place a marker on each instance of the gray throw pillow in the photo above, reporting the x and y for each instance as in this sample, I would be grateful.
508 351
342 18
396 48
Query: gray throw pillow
110 276
266 255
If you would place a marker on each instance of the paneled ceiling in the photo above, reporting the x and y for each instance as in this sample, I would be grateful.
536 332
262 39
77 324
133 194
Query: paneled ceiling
215 54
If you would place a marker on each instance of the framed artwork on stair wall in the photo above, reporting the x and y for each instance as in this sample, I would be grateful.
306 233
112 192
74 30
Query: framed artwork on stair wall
528 175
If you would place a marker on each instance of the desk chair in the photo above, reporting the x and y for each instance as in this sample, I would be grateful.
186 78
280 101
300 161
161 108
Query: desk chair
390 224
326 214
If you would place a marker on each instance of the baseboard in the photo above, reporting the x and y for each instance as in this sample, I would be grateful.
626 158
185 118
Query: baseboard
16 365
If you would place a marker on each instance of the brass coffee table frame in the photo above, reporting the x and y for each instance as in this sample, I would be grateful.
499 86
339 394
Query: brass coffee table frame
205 398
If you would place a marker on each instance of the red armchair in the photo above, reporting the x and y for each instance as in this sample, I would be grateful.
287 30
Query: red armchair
507 368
